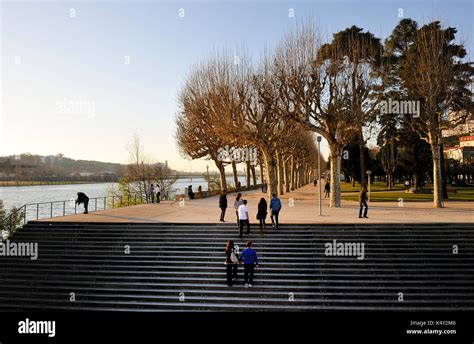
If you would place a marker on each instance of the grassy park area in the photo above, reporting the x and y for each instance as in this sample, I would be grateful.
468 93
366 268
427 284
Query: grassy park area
380 193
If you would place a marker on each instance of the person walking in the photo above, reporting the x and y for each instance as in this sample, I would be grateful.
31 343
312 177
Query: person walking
275 207
238 201
223 204
250 259
262 214
363 202
327 189
244 218
158 193
231 262
315 183
152 193
407 185
82 198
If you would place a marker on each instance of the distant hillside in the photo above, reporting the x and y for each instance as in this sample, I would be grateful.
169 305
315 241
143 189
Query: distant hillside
28 166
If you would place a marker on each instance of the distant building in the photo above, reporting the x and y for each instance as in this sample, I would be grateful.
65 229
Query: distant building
464 128
464 152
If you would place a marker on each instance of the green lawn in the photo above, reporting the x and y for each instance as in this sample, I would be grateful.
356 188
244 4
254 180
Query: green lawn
379 193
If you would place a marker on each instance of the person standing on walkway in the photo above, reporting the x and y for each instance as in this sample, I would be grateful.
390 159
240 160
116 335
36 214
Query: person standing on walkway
275 207
190 192
407 185
82 198
231 262
363 202
315 183
250 259
158 193
223 204
152 193
238 201
327 189
244 218
262 214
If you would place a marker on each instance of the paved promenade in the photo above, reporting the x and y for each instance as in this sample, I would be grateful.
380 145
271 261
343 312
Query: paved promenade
299 206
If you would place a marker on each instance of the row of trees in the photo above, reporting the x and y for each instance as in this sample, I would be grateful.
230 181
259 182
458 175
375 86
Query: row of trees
338 90
226 104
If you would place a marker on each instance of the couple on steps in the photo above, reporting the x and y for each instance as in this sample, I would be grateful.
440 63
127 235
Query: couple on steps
232 262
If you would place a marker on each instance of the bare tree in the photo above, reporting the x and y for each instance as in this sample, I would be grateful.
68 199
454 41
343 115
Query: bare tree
433 72
317 89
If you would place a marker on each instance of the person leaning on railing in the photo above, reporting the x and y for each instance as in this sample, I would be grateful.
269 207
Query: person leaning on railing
82 198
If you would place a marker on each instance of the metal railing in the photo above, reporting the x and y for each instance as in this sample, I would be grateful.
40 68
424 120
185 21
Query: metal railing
45 210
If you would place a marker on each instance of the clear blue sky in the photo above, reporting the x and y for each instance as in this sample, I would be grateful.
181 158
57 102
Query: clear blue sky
50 59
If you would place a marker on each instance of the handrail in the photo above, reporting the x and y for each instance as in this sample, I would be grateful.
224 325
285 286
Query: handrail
93 205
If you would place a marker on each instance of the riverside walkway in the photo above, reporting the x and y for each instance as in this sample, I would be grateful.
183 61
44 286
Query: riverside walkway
299 206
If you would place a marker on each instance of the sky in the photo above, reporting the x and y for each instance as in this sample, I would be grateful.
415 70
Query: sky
82 77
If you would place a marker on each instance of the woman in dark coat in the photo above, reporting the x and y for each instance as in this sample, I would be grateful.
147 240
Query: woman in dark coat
262 214
231 262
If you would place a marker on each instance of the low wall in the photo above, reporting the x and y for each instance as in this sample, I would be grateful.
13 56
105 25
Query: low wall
210 193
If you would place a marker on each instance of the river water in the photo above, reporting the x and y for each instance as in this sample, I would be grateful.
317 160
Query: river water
17 196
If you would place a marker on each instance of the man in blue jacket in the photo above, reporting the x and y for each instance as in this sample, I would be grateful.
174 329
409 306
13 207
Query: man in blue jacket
250 259
275 207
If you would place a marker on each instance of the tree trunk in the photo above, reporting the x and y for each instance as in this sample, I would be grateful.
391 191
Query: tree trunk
254 176
234 171
297 176
335 155
280 176
270 172
220 167
437 180
363 169
301 178
293 176
262 177
287 176
443 173
247 177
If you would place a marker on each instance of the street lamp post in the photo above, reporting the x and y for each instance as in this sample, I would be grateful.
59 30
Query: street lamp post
319 174
369 172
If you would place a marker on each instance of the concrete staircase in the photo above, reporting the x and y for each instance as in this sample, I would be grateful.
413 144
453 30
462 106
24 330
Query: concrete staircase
179 267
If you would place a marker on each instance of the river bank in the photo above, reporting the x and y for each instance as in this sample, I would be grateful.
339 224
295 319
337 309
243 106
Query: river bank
12 183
